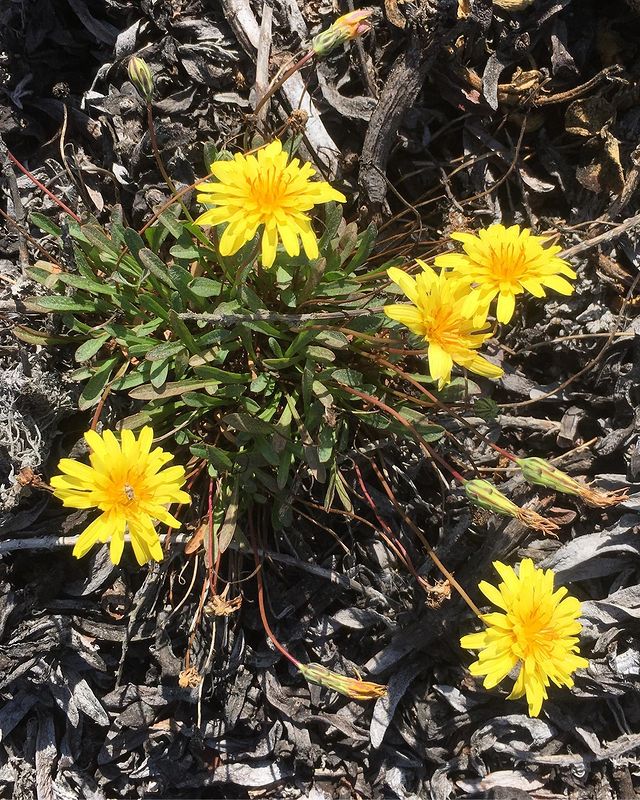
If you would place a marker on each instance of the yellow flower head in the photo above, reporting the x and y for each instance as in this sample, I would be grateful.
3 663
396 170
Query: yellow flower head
506 262
449 315
265 190
537 629
127 483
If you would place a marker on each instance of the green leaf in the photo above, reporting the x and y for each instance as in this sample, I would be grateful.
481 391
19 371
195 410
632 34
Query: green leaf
159 372
85 268
134 241
350 377
89 348
333 339
322 354
165 350
333 216
31 336
300 342
284 467
422 424
222 375
96 384
342 490
347 242
172 389
99 239
117 227
486 408
183 332
45 224
210 154
230 523
168 219
88 285
365 246
127 382
281 363
155 236
60 303
150 304
205 287
188 252
245 423
218 458
156 266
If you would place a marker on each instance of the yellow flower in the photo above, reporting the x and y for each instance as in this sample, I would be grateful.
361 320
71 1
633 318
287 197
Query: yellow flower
449 315
506 262
537 630
126 482
264 190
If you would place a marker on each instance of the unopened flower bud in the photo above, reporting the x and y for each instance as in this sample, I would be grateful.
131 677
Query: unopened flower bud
541 472
485 495
141 77
351 687
349 26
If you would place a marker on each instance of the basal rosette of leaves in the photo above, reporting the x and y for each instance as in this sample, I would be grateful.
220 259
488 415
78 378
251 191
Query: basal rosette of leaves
216 354
252 344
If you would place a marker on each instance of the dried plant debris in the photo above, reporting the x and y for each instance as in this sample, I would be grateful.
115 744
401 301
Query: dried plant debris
448 117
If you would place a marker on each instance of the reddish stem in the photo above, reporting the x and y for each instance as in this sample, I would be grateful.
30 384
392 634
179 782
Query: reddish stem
261 606
403 421
43 188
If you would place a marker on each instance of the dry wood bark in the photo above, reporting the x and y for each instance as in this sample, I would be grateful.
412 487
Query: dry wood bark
400 91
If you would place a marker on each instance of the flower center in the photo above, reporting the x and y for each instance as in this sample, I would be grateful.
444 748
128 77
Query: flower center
509 262
532 633
269 188
126 495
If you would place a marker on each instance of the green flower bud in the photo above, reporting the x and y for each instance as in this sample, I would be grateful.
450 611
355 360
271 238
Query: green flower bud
485 495
141 77
541 472
346 27
350 687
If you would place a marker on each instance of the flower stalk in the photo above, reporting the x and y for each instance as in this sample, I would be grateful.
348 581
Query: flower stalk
347 27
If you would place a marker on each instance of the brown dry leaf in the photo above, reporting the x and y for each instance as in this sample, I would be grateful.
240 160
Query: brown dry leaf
604 173
196 541
464 8
219 606
513 5
588 117
393 15
189 678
